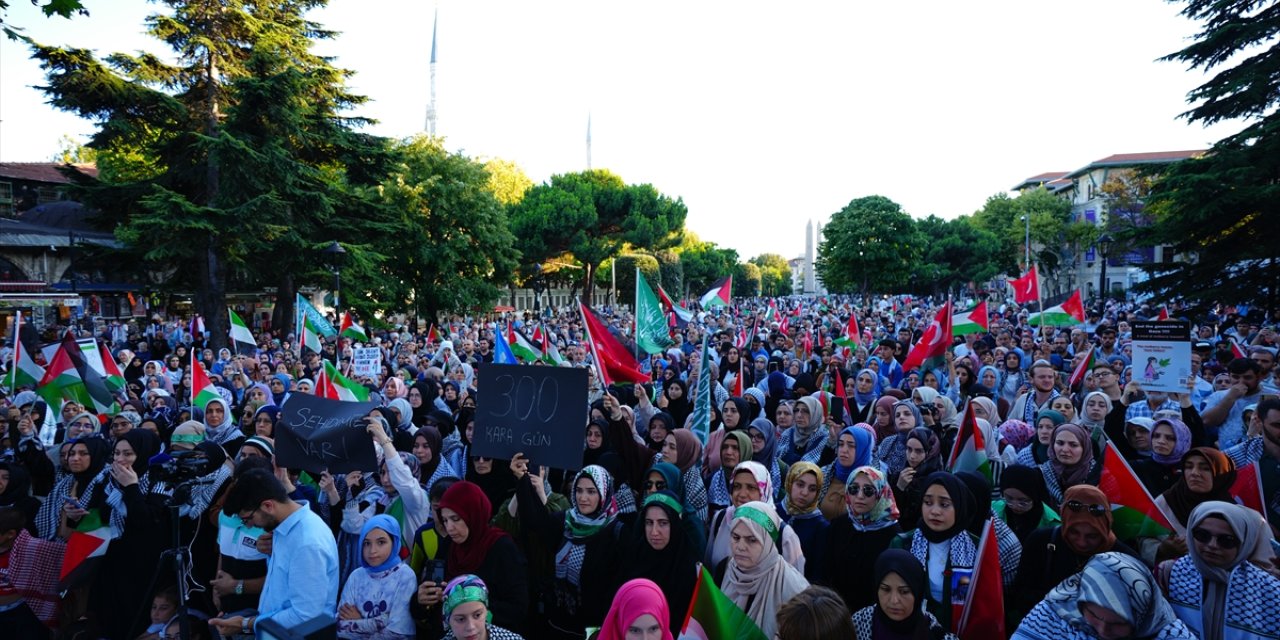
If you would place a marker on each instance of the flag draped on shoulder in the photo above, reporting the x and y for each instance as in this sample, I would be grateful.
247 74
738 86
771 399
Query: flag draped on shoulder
615 362
653 333
1027 288
718 294
971 321
241 337
713 616
1068 313
1134 512
701 416
24 371
931 350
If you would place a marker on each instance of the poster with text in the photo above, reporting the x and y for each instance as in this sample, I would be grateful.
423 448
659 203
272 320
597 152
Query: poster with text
1162 355
538 411
317 434
366 362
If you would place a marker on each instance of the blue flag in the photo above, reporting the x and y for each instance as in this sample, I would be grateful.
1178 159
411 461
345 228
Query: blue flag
321 323
501 350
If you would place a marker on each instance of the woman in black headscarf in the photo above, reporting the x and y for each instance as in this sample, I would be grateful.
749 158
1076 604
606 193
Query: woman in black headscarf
922 456
942 544
15 493
493 478
422 399
899 613
677 401
83 474
663 553
1022 504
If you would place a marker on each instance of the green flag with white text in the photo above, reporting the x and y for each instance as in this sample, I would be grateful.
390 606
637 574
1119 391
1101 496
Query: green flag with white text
652 331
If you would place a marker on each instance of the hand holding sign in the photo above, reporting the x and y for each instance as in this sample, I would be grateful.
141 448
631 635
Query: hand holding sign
317 434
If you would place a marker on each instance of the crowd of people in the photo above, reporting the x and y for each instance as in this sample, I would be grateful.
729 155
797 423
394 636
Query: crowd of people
819 499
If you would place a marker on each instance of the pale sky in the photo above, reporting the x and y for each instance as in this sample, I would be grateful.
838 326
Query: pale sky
760 115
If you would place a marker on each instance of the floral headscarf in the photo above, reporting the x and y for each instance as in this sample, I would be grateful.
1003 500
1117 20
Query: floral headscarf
884 513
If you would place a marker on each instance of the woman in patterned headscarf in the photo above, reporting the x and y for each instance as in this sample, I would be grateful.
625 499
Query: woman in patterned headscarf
1115 596
799 510
466 611
1070 463
867 527
587 555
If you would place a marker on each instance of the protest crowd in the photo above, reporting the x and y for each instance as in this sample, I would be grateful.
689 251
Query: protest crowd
803 467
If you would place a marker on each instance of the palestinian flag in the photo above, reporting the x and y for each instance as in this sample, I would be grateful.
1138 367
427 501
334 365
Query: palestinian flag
652 330
202 390
842 394
718 294
537 335
851 333
241 336
70 376
1026 288
982 614
1164 314
197 327
341 387
1068 313
713 616
701 423
112 375
524 348
681 315
971 321
615 362
771 312
1247 490
1077 376
24 371
932 347
85 549
432 334
969 453
352 330
309 338
324 386
1132 508
1236 351
550 353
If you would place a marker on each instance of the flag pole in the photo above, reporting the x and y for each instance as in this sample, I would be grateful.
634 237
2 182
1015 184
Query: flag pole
1039 300
635 315
595 354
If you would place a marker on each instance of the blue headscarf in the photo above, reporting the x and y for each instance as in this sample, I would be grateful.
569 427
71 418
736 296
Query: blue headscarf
865 398
994 371
863 440
388 524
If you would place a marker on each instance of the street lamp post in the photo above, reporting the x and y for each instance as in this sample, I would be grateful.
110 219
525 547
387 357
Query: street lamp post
1026 218
1104 247
334 254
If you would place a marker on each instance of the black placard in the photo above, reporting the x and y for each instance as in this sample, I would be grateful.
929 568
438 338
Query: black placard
538 411
317 434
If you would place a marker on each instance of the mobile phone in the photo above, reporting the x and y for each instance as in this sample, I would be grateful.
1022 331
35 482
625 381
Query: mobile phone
434 569
75 502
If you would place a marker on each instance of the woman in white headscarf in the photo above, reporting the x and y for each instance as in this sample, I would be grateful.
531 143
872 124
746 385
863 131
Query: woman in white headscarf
758 579
1218 590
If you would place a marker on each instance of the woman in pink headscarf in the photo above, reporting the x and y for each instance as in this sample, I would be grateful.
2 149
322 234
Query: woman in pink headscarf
639 604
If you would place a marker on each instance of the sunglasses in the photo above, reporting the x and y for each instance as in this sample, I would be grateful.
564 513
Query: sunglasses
1225 541
1096 510
867 491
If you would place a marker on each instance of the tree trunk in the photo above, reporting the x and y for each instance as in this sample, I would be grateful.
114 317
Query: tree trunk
283 314
211 297
588 283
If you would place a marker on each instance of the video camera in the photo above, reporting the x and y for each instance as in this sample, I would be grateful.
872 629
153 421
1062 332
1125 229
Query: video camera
176 467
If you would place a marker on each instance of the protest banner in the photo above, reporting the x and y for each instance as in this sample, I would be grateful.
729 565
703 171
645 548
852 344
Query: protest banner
366 362
315 434
1162 355
538 411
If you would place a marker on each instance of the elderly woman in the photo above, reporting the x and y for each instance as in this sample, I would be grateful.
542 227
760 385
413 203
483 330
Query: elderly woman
758 580
1218 590
1114 597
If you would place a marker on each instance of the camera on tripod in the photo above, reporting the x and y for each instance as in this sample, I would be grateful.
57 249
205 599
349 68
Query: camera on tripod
177 467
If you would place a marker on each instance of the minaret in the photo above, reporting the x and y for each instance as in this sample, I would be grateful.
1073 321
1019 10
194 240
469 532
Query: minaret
810 282
431 106
588 141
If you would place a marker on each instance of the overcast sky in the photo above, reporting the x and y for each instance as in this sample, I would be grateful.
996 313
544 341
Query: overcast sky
760 115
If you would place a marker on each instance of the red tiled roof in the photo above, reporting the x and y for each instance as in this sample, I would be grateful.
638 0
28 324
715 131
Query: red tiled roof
1151 156
1039 179
43 171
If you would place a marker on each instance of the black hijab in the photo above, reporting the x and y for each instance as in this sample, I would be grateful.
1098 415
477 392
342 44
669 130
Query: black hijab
1028 480
907 567
674 567
99 455
429 390
497 485
145 445
744 413
591 456
961 501
434 441
443 420
679 409
981 491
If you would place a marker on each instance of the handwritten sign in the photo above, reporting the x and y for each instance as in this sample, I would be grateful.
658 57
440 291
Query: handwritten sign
538 411
315 434
366 362
1162 355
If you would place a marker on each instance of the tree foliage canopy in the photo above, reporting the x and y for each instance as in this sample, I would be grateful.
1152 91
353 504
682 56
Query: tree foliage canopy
870 246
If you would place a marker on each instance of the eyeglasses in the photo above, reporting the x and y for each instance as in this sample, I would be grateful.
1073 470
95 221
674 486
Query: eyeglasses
1096 510
757 437
656 485
1018 502
1225 540
249 517
867 491
1102 373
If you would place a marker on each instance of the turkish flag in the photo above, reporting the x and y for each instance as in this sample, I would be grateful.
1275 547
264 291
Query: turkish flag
1026 288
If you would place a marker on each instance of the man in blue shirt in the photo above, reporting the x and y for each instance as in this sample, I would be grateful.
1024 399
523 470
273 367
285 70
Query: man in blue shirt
302 572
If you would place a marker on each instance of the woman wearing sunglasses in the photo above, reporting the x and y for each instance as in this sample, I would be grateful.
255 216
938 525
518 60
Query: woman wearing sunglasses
858 536
1050 555
1218 590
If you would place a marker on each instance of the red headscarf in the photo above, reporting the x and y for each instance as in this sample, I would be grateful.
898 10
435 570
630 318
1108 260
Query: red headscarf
468 500
634 599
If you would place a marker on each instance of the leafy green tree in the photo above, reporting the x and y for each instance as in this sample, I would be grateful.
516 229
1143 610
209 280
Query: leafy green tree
671 271
775 274
51 8
746 280
507 181
1221 212
453 249
870 246
956 253
171 209
626 265
1003 216
704 263
594 215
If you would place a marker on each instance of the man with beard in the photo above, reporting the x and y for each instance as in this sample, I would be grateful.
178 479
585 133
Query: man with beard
1224 409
